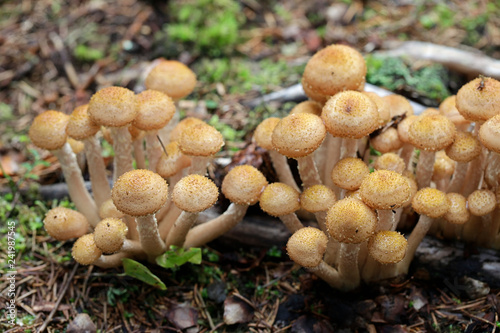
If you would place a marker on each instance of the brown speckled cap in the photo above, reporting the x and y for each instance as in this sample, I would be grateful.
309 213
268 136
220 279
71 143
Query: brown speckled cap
264 131
432 132
317 198
479 100
243 185
307 246
385 189
279 199
431 202
457 212
349 172
84 251
464 148
172 162
195 193
113 107
387 247
64 223
489 134
80 125
109 235
155 109
48 130
200 140
172 78
482 202
139 192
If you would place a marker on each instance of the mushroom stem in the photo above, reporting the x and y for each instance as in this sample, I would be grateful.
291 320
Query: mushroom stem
417 235
133 233
97 170
458 177
122 146
475 173
178 232
349 148
328 274
425 167
76 186
149 236
168 220
386 220
153 149
208 231
292 222
348 266
140 158
199 165
116 259
333 145
282 168
308 171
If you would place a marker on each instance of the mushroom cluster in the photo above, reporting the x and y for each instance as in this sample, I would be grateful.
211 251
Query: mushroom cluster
158 191
434 172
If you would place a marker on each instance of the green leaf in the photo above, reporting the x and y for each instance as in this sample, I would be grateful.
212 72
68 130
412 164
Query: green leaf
141 272
179 256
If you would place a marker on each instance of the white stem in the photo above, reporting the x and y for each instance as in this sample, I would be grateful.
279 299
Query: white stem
308 171
349 148
199 165
458 177
76 186
280 164
178 232
140 158
122 145
292 222
425 166
153 149
417 235
150 239
328 274
97 170
348 266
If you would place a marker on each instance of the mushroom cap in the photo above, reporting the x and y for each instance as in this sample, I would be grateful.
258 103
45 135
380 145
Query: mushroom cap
404 127
173 162
317 198
155 110
307 246
113 107
398 105
195 193
489 134
349 172
76 146
64 223
431 202
444 167
482 202
351 221
80 126
412 183
350 114
457 212
307 107
84 251
448 108
385 189
298 135
279 199
388 140
333 69
387 247
172 78
139 192
48 130
390 161
432 132
264 132
465 148
176 133
384 113
243 185
200 140
479 99
108 209
110 234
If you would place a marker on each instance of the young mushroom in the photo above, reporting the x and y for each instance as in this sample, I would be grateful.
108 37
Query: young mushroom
64 223
281 200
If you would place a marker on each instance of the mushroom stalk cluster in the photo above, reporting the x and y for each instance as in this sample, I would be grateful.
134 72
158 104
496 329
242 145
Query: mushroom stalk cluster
155 206
440 169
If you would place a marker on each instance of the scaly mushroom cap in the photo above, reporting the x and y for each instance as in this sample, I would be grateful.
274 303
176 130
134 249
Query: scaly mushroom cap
176 133
350 114
80 126
465 148
84 251
351 221
390 161
457 212
398 105
307 107
386 141
200 140
76 146
430 111
331 70
387 247
444 167
489 134
307 246
433 132
64 223
349 172
110 234
172 78
243 185
404 127
431 202
139 192
385 189
317 198
298 135
155 109
173 162
195 193
279 199
384 113
48 130
448 108
479 99
264 132
482 202
108 209
412 183
113 107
